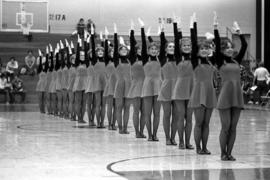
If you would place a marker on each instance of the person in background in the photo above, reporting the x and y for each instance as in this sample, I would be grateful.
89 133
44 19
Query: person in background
81 28
4 88
2 69
17 87
89 26
29 68
261 76
12 67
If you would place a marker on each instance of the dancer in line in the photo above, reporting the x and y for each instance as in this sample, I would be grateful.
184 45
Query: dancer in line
110 83
42 82
183 87
230 101
168 76
203 96
151 86
137 78
80 81
123 82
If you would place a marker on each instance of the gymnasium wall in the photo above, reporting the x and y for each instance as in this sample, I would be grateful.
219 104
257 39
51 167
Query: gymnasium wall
105 12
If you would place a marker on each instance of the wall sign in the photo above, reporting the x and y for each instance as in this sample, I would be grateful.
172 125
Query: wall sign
57 17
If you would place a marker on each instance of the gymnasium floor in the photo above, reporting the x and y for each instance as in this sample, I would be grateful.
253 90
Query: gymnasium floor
34 146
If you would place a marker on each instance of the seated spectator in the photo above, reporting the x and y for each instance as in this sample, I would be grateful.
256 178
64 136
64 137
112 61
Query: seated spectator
5 88
2 68
29 68
17 87
261 76
12 67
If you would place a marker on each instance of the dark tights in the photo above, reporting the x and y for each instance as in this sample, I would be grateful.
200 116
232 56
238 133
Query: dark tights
229 119
122 120
184 116
138 116
150 104
99 108
201 131
170 126
111 114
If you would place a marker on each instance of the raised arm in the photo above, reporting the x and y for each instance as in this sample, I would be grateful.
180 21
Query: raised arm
177 52
144 47
106 47
194 51
115 52
243 49
93 47
77 60
132 53
218 56
162 52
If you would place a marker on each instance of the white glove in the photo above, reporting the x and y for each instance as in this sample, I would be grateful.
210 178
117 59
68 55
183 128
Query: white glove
236 27
194 17
215 21
61 45
148 33
51 48
106 32
39 52
114 28
71 45
47 50
67 45
141 22
121 40
101 36
132 25
191 22
92 29
159 31
209 36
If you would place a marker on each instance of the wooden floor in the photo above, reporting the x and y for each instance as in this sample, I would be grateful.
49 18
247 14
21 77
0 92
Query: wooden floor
35 146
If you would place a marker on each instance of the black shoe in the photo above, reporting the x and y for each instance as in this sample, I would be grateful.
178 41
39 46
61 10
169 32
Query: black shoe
224 158
206 152
155 138
173 142
200 152
189 147
181 146
231 158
